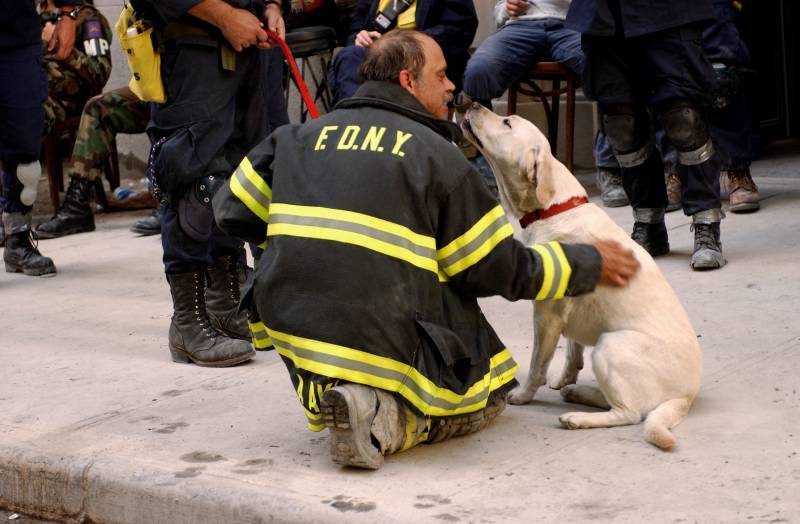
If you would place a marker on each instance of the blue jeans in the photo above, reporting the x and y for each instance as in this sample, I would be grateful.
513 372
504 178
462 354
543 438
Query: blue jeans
514 49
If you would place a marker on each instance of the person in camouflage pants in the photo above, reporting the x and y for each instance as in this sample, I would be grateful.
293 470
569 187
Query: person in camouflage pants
105 115
84 72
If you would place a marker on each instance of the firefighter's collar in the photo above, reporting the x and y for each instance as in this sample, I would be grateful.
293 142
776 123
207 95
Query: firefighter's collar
391 96
541 214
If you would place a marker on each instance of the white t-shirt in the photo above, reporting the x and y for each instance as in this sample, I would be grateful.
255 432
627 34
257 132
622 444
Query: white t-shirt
536 9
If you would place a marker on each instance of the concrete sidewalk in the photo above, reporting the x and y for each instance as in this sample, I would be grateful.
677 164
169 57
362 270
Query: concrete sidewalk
97 424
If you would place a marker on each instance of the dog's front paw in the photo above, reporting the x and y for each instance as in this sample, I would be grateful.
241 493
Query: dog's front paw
571 420
566 379
520 395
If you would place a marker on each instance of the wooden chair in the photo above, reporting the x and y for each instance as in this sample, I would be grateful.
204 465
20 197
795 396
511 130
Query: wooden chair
556 74
58 145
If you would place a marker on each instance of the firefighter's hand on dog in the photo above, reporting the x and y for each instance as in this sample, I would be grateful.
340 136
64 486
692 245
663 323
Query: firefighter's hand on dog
619 264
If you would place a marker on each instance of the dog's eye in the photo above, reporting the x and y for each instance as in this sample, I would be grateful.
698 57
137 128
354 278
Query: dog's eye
507 122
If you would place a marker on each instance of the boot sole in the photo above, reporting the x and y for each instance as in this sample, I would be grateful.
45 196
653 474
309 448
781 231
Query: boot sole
345 448
746 207
44 272
144 232
182 357
657 251
47 235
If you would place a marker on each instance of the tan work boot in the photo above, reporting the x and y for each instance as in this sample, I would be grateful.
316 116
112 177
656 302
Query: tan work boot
742 191
674 191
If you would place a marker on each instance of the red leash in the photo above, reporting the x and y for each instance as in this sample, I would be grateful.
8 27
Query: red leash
287 54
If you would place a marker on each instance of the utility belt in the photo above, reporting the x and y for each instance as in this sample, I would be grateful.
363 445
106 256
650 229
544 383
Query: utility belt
182 31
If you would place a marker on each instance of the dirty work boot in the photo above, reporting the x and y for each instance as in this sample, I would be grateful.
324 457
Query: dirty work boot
742 191
650 231
150 225
348 411
191 336
674 192
707 246
609 182
223 282
459 425
21 254
75 214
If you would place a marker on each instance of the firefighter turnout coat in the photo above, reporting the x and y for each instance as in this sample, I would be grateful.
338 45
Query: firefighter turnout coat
379 238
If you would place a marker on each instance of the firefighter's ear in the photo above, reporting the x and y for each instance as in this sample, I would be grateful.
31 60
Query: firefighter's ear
408 81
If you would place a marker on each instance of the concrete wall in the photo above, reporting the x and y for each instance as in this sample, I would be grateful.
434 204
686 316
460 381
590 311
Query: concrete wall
585 123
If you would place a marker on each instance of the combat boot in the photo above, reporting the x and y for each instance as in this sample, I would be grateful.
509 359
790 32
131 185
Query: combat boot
460 425
674 192
707 246
650 231
150 225
192 338
75 214
609 182
21 254
742 191
223 282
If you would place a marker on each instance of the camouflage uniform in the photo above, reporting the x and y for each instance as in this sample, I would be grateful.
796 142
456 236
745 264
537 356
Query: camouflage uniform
72 81
117 111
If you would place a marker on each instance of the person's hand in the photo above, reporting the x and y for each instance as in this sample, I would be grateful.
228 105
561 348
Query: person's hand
619 264
366 38
242 29
516 7
274 18
63 38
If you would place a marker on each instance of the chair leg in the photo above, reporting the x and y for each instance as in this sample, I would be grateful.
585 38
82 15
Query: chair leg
569 125
51 159
555 106
511 106
112 169
100 193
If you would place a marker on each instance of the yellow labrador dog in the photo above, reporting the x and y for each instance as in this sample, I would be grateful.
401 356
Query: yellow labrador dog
646 357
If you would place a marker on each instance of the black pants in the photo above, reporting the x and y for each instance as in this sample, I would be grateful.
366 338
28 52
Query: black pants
648 73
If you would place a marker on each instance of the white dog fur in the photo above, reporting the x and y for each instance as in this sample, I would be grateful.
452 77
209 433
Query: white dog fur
646 357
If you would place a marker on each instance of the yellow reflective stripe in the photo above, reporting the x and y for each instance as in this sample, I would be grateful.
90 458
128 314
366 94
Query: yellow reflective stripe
566 269
410 382
357 239
547 264
246 175
260 338
480 226
356 218
484 249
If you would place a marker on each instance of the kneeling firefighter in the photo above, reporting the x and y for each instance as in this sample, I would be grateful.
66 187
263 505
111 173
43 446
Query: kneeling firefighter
380 237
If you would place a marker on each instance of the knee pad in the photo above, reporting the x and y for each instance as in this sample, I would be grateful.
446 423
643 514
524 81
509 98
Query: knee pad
628 134
29 178
687 129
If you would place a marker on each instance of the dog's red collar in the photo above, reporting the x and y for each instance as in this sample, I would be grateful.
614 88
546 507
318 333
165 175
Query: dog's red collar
541 214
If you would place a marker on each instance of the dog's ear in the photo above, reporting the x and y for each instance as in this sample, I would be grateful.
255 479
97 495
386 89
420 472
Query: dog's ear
537 171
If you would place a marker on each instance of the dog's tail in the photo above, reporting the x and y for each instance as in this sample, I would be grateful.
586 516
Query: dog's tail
666 415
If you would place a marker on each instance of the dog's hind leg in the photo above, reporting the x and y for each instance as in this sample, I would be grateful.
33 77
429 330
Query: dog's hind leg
547 331
666 415
586 395
572 366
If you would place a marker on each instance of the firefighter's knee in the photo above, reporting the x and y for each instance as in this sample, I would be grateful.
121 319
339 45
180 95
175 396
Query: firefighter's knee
628 133
687 129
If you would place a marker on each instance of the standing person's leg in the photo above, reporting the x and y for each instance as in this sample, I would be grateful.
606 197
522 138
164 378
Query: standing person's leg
195 126
343 75
21 123
117 111
611 77
681 86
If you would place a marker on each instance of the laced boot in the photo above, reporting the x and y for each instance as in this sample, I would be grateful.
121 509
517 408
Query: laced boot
150 225
609 182
75 214
707 246
674 192
650 231
460 425
21 253
191 335
742 191
223 282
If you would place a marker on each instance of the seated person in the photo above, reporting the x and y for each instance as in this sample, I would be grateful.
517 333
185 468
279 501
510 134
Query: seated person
74 79
451 23
381 237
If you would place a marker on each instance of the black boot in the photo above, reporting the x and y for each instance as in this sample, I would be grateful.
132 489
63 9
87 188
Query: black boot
21 255
150 225
707 245
191 335
223 282
75 215
650 231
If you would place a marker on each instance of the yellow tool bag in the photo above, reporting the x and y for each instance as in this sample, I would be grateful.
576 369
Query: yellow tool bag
136 37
